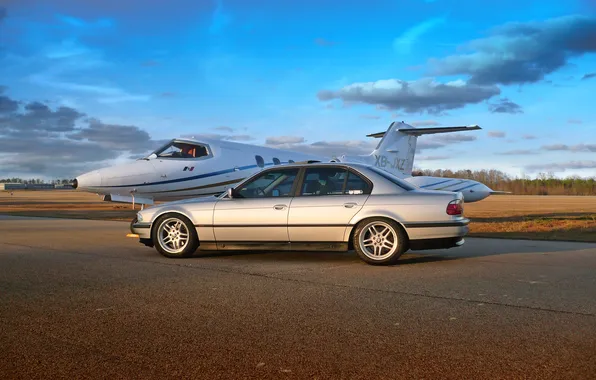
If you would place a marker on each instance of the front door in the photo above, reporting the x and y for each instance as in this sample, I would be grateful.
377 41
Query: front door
328 199
258 212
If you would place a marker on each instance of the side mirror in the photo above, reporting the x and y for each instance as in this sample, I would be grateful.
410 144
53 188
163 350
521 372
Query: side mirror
230 192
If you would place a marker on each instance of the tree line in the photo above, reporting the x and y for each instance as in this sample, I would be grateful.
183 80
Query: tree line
542 184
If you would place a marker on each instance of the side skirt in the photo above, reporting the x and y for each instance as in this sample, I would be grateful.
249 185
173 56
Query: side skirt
272 246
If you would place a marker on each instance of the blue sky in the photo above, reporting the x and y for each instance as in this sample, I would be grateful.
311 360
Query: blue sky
118 77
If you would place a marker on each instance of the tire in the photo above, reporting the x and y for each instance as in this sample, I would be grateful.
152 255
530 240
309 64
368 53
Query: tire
378 249
175 226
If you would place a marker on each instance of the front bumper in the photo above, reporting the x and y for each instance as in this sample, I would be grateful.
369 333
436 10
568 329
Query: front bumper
142 230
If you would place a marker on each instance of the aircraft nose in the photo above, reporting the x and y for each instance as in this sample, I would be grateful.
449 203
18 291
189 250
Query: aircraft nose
476 193
87 181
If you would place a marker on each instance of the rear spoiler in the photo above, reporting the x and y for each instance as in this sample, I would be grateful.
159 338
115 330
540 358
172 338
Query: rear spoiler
428 131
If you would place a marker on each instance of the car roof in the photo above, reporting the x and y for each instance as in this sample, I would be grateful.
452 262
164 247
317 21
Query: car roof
317 163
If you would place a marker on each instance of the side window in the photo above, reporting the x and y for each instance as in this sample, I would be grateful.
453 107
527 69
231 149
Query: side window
276 161
276 183
324 181
356 185
183 150
260 161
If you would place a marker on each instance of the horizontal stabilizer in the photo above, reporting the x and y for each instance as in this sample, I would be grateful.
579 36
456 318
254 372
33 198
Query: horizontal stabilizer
428 131
377 135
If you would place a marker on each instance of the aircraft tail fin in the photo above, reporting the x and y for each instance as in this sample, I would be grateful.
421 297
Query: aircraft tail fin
397 148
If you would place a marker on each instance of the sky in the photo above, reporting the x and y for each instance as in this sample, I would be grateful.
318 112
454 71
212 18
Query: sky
88 84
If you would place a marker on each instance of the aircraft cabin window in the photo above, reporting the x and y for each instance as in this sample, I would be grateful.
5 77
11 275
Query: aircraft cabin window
324 181
179 149
276 183
260 161
276 161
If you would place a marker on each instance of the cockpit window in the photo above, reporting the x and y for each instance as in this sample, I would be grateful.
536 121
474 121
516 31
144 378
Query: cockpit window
181 149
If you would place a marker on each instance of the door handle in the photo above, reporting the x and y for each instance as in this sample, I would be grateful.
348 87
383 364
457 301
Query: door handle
350 204
279 207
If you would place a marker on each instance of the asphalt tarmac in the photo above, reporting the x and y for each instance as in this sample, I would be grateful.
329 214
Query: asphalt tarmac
80 300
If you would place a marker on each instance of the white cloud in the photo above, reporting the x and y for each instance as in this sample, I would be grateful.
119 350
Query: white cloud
403 44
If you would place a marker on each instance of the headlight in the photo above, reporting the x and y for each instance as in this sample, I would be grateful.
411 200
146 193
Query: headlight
139 217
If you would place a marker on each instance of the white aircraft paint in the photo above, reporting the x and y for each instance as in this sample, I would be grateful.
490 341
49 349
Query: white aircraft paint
163 177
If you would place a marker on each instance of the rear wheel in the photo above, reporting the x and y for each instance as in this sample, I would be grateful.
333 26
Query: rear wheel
174 236
380 241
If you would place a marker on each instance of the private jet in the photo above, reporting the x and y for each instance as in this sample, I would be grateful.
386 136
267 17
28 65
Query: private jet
187 168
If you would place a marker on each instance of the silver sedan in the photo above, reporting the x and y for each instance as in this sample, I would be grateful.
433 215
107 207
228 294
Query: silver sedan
310 206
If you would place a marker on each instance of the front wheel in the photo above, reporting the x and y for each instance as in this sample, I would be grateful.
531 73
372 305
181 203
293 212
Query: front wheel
380 241
174 236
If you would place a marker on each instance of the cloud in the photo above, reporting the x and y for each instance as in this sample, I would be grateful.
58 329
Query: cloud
521 52
505 106
82 24
281 140
224 128
218 136
403 44
561 167
529 137
324 42
574 121
370 117
571 148
112 136
424 123
588 76
107 94
432 158
414 96
517 152
38 140
220 19
496 134
453 138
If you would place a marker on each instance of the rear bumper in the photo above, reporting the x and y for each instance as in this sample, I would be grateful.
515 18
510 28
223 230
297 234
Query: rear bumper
439 235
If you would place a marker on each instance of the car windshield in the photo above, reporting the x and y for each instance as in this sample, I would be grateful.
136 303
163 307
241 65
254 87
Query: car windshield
398 181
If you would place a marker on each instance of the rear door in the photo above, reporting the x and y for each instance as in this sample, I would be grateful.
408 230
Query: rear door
327 200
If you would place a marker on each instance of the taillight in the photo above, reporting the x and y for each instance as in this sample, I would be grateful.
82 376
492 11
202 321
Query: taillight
455 207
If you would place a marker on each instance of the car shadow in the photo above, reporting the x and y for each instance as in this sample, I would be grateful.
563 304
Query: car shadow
473 248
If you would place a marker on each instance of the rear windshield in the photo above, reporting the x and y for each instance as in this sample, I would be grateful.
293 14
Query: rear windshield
398 181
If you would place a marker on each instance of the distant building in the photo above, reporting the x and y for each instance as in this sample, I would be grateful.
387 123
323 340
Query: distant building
64 186
12 186
40 186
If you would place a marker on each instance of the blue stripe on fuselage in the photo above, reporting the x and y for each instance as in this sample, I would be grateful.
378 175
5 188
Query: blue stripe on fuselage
206 175
466 187
437 183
